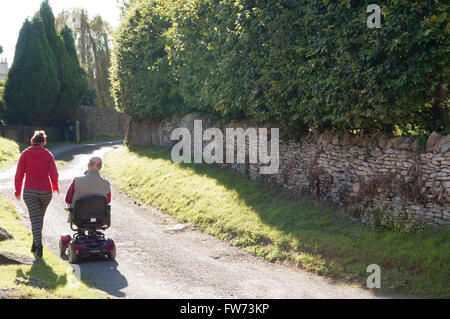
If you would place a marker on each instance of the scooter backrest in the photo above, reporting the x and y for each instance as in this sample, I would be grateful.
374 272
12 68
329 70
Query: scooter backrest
90 210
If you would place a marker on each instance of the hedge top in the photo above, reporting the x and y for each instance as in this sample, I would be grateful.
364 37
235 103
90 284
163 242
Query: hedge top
300 65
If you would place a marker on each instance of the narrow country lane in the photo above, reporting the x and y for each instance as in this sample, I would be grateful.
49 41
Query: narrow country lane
154 262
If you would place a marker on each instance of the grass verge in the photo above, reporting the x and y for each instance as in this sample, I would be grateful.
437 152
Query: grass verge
9 152
271 223
51 270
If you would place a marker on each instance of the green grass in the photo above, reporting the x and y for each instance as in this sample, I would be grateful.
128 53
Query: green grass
9 152
103 137
52 270
271 223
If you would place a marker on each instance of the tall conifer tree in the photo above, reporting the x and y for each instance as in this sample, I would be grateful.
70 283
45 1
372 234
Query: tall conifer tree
45 83
32 86
73 85
80 82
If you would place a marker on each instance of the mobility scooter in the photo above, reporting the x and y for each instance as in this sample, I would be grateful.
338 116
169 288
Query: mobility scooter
90 216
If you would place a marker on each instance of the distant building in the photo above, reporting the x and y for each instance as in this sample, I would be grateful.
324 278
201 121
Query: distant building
3 69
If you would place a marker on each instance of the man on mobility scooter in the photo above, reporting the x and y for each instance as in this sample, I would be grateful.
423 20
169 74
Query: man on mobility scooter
89 197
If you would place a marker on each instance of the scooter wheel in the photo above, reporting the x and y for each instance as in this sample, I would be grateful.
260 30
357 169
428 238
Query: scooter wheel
73 258
61 245
112 254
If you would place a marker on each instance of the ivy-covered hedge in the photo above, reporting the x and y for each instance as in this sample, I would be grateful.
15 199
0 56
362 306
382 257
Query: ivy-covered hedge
297 64
143 82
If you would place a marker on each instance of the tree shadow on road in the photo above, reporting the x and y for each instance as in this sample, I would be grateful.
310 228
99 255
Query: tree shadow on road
69 155
100 274
103 275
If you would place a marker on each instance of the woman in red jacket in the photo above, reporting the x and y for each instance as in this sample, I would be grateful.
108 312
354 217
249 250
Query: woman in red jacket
37 164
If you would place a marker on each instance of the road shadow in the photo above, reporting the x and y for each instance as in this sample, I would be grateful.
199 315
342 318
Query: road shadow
67 153
103 275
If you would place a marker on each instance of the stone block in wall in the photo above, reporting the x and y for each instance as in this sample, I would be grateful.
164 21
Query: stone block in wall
144 132
165 130
432 140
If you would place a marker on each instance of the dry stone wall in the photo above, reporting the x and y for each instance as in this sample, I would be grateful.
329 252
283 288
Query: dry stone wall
95 121
355 171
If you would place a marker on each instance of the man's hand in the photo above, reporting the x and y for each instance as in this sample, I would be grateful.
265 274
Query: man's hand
56 191
17 197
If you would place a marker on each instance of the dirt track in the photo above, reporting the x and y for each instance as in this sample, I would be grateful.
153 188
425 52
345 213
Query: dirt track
153 262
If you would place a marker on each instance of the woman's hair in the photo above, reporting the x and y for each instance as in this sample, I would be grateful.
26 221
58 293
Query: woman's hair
39 137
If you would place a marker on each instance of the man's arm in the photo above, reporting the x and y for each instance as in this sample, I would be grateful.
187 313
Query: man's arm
70 191
108 197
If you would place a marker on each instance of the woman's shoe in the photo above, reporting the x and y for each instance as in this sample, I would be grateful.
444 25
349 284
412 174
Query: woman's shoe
39 251
33 248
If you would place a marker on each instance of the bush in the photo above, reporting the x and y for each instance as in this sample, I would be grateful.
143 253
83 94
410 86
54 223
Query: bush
142 81
298 65
72 77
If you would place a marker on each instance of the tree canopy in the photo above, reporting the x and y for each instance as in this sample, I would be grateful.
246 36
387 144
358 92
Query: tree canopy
299 65
92 43
143 83
32 85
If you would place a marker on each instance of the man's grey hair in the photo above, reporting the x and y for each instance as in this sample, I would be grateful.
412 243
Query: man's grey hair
95 162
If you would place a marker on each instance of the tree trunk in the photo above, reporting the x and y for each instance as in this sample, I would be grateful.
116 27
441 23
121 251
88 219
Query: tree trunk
441 107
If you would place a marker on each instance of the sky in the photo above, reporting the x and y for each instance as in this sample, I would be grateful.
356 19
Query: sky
14 12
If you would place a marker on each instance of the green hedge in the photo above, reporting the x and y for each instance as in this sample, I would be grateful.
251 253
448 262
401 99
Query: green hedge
297 64
142 80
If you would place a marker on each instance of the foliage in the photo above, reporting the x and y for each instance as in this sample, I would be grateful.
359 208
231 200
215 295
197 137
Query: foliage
143 84
77 84
73 82
90 97
45 83
92 37
30 97
299 64
381 219
9 152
